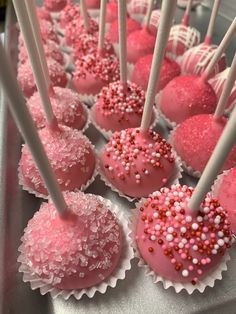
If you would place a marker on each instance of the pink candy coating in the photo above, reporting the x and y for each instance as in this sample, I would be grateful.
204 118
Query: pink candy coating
139 44
117 109
43 14
70 154
93 4
186 96
48 32
92 72
112 12
55 5
66 106
70 11
176 244
141 72
75 253
195 139
196 59
131 26
225 192
137 164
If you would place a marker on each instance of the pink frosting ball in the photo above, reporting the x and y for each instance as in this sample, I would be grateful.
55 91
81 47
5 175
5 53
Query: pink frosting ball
131 26
137 164
93 4
26 78
181 39
48 32
74 253
196 59
70 11
141 72
186 96
55 5
66 106
43 14
139 44
92 72
51 50
117 109
88 44
176 244
218 83
70 154
195 139
111 12
225 192
75 27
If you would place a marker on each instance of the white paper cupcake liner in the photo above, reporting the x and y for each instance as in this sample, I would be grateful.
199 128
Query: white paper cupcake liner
174 178
208 281
82 188
189 170
118 274
169 124
108 134
59 29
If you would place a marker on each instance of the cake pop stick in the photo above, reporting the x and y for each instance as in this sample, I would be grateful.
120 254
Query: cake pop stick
185 20
122 41
215 163
229 84
211 25
31 9
102 23
168 9
149 13
25 124
85 15
31 46
221 48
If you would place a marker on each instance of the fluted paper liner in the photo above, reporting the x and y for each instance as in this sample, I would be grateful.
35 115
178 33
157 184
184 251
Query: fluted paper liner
169 124
208 281
108 134
82 188
119 273
174 179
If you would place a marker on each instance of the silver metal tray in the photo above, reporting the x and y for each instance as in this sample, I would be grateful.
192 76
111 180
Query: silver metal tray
136 294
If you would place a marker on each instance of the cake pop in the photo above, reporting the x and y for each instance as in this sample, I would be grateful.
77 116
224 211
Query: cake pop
55 5
93 4
112 12
43 14
154 21
224 191
70 12
196 59
182 36
140 75
66 106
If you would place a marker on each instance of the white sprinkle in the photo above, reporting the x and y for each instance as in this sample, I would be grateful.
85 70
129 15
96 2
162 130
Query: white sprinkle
169 237
153 237
221 242
170 229
157 227
185 273
195 261
188 218
183 229
195 226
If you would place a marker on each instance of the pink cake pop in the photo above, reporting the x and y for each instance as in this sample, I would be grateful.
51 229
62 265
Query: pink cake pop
70 11
140 75
112 12
196 59
66 106
51 50
218 82
224 191
79 252
93 71
26 79
55 5
48 32
71 156
190 95
182 36
93 4
137 164
131 26
43 14
176 244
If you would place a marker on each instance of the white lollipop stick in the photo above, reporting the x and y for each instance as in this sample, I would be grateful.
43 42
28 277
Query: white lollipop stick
149 13
229 84
167 14
25 124
32 50
211 25
122 41
220 50
215 163
31 9
102 23
185 20
85 15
